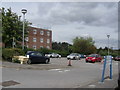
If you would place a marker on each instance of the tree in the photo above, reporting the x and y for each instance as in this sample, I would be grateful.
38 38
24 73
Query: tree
64 46
11 27
83 45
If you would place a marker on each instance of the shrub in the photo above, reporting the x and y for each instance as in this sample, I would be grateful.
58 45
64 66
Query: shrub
8 53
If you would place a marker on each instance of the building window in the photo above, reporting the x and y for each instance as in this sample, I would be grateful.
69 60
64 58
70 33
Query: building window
27 39
34 39
48 47
41 40
41 46
27 46
48 33
34 31
34 47
41 32
48 40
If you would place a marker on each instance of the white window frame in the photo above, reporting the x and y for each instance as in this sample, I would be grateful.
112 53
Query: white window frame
48 33
34 39
27 46
41 46
48 40
27 39
34 31
41 40
42 32
34 47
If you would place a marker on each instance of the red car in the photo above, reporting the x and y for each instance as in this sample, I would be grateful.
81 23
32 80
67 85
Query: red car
94 58
117 58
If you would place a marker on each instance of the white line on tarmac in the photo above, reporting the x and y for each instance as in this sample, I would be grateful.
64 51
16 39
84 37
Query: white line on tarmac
54 70
92 86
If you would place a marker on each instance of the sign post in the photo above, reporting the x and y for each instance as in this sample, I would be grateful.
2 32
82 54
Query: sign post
107 58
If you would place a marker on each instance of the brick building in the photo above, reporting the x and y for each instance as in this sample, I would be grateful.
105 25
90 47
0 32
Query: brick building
39 38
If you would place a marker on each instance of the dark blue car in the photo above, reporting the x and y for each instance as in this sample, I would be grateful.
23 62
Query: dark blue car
37 57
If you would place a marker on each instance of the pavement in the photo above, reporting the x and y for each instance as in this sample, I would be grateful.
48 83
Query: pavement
107 84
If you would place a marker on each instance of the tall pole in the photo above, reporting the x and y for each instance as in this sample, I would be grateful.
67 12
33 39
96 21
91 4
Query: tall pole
108 43
23 30
23 11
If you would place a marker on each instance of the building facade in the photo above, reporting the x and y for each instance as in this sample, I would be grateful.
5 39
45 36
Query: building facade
38 38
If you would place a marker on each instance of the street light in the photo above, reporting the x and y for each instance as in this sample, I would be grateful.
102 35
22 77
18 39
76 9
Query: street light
108 43
24 11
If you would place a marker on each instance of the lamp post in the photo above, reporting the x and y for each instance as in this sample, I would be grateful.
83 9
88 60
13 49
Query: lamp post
108 43
24 11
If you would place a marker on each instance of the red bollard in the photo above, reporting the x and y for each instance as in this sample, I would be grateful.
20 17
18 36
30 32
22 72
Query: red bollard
69 63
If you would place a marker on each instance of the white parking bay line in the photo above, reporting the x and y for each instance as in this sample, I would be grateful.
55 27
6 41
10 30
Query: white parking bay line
59 70
66 70
54 70
92 86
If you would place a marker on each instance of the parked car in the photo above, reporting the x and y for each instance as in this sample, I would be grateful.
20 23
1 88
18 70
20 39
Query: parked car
94 58
82 56
37 57
74 56
117 58
53 55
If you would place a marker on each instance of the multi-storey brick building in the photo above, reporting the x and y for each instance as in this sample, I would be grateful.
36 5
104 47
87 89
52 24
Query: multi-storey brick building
39 38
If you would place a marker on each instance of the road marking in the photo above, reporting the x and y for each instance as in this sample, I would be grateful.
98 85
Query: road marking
92 86
59 70
54 70
66 70
18 69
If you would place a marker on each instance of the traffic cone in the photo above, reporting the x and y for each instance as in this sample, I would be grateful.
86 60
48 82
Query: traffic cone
69 63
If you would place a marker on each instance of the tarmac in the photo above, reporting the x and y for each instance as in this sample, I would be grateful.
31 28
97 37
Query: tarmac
108 84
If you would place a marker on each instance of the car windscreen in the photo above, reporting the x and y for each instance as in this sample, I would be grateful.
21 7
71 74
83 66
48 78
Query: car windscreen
92 55
36 54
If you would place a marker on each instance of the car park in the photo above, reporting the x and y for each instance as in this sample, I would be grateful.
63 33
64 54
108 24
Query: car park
93 58
37 57
53 55
74 56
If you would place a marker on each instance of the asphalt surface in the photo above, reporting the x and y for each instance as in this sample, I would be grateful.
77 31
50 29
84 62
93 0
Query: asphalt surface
58 75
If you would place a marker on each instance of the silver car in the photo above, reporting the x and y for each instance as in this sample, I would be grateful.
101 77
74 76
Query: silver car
74 56
53 55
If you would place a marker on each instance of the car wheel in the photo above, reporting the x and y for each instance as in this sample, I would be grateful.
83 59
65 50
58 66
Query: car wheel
74 58
93 61
29 61
47 61
86 61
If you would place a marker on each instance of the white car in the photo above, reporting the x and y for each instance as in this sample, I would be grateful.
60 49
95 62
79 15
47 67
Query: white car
74 56
53 55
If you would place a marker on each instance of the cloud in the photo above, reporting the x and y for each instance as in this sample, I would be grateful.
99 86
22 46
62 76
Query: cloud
93 14
104 43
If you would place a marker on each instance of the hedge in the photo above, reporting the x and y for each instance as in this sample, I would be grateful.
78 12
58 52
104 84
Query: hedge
8 53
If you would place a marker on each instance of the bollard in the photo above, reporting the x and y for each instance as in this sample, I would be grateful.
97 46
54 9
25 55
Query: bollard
69 63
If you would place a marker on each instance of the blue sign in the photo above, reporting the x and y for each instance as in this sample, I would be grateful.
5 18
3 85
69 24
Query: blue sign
108 59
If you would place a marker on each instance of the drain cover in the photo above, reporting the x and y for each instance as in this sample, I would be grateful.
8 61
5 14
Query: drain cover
9 83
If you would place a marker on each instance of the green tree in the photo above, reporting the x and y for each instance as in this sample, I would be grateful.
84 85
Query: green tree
83 45
60 46
11 27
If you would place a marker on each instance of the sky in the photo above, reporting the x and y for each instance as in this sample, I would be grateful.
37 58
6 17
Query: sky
68 20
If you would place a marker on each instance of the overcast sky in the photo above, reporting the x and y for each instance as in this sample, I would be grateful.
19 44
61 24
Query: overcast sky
70 19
